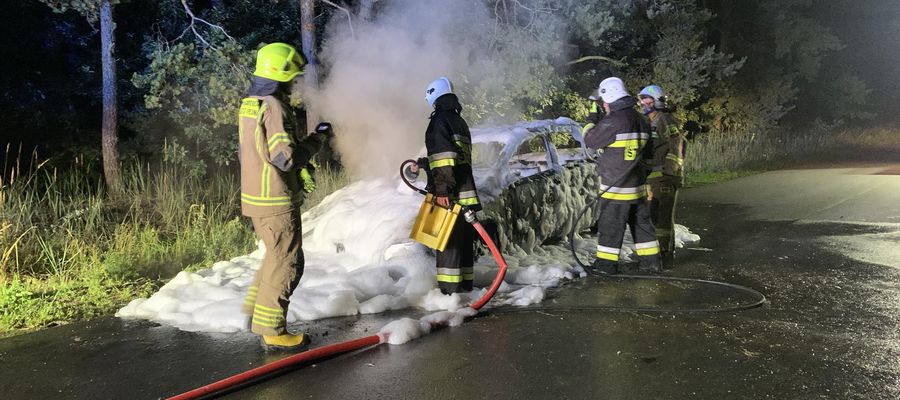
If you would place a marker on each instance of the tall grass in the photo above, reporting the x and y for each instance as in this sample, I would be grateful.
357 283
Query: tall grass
68 251
718 156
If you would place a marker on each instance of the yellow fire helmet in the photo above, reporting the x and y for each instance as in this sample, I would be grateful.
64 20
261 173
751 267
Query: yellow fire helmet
279 62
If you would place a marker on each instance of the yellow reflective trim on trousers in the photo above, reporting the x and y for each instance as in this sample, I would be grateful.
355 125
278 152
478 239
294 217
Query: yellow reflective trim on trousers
629 143
675 158
269 312
264 308
623 196
449 278
266 203
272 201
269 318
655 174
607 256
468 277
647 252
269 324
250 298
468 201
447 162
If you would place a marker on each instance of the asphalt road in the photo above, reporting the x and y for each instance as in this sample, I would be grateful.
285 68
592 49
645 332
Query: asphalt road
821 244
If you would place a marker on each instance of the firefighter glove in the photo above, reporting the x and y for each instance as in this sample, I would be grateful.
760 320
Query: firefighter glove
306 177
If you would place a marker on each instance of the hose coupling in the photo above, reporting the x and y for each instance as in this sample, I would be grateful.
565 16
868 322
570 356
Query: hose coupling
470 216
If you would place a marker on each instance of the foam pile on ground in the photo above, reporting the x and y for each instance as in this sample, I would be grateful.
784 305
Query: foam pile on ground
405 329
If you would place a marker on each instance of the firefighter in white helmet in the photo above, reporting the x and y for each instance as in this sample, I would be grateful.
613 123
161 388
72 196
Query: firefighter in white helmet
624 136
449 164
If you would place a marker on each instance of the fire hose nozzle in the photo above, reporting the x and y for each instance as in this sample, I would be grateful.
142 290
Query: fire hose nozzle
470 216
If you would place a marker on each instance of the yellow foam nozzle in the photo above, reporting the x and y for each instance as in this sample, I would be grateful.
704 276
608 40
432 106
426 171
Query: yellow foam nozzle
434 224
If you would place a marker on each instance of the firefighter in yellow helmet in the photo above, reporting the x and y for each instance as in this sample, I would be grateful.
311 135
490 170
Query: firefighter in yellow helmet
273 155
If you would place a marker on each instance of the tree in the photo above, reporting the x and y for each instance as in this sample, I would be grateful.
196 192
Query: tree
102 10
784 50
200 60
308 42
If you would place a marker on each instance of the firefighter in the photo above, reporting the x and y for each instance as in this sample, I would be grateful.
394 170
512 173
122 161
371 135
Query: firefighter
666 173
623 137
595 112
274 163
449 146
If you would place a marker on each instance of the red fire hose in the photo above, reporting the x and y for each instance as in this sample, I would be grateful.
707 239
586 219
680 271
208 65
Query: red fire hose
342 347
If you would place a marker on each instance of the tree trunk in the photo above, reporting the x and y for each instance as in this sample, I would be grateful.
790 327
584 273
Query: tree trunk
110 135
367 9
308 41
724 24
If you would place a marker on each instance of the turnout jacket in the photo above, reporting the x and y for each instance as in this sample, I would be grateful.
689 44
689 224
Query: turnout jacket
624 137
271 157
449 146
667 165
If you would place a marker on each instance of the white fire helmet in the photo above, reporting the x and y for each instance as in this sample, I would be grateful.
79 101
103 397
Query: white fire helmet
437 88
612 89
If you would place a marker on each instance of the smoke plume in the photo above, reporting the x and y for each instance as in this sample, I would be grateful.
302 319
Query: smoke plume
376 78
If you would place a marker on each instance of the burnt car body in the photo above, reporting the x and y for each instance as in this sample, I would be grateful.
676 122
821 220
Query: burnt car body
545 177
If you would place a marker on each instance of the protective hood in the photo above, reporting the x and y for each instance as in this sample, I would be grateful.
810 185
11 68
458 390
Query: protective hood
447 102
261 87
623 103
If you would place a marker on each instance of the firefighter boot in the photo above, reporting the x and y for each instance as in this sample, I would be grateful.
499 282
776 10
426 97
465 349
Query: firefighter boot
649 264
604 267
668 260
286 342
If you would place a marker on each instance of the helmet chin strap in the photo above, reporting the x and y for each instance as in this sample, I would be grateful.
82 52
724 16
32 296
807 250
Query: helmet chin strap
660 103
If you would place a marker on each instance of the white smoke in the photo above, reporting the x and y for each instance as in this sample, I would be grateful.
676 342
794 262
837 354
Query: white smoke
375 85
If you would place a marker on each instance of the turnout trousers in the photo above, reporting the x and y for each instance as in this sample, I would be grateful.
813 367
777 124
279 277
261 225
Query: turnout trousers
615 215
282 267
662 214
454 265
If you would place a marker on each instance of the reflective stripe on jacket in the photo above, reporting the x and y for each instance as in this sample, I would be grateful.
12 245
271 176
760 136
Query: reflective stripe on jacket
270 157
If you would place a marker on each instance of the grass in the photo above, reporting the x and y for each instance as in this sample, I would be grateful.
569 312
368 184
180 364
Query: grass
69 252
721 156
707 178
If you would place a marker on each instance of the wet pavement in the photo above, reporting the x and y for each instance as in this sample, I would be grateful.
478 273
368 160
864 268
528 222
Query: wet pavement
831 329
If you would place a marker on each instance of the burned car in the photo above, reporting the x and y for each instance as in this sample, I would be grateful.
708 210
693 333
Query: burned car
534 178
